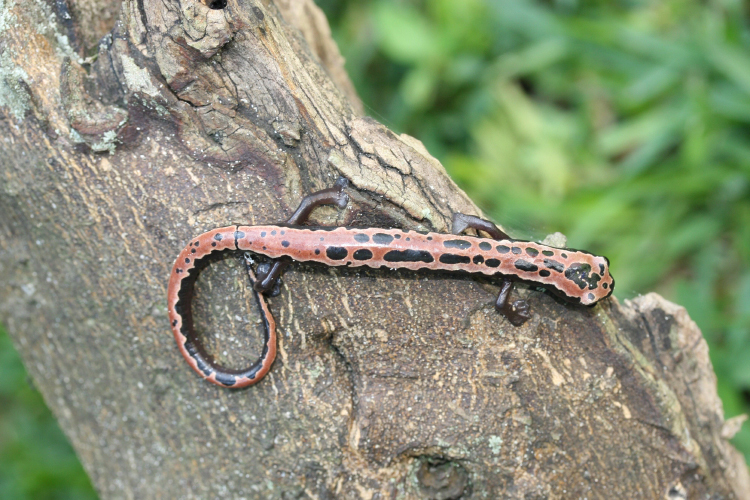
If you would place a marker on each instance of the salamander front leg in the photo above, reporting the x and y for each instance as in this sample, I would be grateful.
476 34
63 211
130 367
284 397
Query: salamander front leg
517 311
269 274
462 222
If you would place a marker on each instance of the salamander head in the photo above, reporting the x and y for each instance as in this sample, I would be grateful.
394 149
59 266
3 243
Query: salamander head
592 278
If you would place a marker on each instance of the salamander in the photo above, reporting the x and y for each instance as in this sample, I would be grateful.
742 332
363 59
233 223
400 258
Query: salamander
574 275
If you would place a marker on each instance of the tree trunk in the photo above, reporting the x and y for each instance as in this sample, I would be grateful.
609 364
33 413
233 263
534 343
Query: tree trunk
194 115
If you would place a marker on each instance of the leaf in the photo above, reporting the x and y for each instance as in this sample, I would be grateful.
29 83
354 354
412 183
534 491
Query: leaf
531 58
404 34
732 63
650 84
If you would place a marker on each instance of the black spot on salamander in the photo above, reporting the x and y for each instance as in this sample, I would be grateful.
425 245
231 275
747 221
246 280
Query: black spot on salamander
273 233
187 261
192 250
190 348
336 253
591 296
460 244
605 285
554 265
578 273
429 238
548 253
382 238
492 263
174 323
544 273
317 251
524 265
362 254
177 271
601 269
322 239
485 246
262 234
361 238
282 233
408 239
532 252
285 244
503 249
397 236
478 259
594 281
213 244
200 363
409 255
516 250
218 236
227 380
564 255
449 258
238 235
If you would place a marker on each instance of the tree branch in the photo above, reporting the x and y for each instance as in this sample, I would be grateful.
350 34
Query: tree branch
386 383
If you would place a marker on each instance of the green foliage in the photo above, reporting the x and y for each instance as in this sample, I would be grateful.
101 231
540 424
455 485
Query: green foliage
36 460
622 124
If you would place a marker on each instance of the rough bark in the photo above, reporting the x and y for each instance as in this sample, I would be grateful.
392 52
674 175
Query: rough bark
388 385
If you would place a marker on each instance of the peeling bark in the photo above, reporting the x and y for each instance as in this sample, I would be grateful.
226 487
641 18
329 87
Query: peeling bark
388 384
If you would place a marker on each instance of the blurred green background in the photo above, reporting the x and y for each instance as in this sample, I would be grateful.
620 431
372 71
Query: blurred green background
36 460
623 124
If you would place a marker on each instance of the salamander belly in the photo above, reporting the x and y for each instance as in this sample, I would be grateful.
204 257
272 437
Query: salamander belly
578 276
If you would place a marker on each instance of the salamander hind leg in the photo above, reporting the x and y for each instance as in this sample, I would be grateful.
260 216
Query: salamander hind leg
517 311
269 274
269 277
331 196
